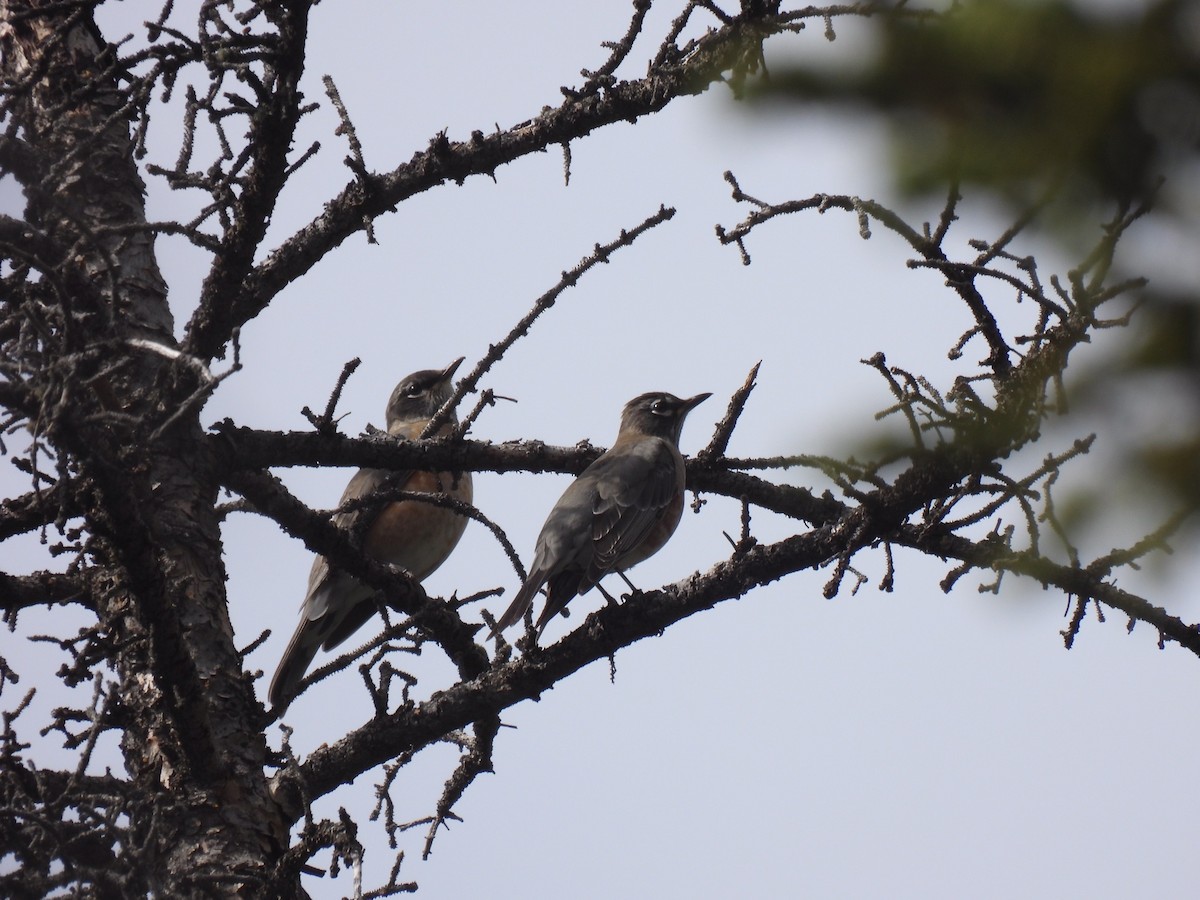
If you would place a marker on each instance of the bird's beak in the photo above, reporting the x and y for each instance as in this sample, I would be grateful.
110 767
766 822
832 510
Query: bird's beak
692 402
448 372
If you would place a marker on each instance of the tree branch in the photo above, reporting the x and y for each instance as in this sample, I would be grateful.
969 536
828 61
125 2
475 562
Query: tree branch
237 294
42 589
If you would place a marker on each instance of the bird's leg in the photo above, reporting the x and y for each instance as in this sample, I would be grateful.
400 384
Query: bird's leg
633 590
607 596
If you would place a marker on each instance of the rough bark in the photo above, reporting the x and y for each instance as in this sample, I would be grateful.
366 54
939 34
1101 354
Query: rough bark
106 374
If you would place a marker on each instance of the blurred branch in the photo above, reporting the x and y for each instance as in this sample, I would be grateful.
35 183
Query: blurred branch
106 406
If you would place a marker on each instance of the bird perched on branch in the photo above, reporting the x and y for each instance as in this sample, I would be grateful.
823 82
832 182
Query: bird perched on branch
620 511
413 534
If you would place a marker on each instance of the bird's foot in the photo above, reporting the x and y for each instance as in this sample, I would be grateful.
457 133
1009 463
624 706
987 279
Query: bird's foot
612 601
633 588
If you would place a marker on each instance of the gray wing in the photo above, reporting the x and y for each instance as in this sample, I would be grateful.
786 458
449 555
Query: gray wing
563 543
364 482
596 525
633 491
335 604
345 604
565 547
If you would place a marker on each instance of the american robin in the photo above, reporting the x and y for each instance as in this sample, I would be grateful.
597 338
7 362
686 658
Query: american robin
620 511
415 535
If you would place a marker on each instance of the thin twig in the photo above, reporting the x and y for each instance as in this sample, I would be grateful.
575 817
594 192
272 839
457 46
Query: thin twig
724 430
570 278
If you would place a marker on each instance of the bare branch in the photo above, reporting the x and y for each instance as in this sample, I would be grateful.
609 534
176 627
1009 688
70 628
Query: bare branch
724 431
600 254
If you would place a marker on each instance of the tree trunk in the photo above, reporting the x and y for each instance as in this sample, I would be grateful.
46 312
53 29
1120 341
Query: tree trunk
108 389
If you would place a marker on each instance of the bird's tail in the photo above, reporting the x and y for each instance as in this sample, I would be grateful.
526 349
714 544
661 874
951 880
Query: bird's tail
560 590
520 604
296 660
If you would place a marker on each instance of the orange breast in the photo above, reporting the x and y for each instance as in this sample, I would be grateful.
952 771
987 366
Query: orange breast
416 535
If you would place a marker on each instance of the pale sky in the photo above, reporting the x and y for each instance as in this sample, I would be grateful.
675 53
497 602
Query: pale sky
912 744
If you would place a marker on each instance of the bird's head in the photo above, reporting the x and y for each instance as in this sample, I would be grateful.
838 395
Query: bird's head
420 395
658 414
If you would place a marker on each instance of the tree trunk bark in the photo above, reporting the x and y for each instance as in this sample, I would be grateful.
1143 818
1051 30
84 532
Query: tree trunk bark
105 374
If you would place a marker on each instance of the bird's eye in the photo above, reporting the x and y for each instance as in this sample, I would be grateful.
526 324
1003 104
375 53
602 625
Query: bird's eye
413 390
659 407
